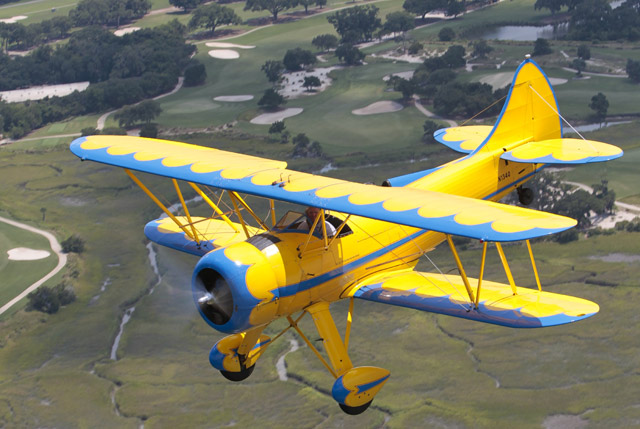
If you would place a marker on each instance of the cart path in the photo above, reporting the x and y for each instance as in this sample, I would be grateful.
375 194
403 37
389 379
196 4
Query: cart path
55 246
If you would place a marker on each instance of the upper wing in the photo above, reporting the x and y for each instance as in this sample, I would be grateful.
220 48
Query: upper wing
446 294
563 151
429 210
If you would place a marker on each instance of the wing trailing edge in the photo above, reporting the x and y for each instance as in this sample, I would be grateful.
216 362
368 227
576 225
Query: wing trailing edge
445 294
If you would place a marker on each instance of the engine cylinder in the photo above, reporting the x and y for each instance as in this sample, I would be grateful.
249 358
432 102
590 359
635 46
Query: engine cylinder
235 288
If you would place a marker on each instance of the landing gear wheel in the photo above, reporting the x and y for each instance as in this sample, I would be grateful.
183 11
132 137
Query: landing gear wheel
525 195
238 376
354 411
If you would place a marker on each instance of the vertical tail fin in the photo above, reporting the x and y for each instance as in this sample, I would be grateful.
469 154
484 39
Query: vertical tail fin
529 114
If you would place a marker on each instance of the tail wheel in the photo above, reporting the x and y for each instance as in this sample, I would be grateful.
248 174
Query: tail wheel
241 375
354 411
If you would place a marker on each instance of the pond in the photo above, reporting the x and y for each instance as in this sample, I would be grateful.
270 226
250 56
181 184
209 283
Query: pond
524 33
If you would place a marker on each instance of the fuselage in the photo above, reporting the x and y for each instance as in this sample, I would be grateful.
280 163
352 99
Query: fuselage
323 273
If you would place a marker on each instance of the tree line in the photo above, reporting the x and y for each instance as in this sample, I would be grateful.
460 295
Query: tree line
597 20
122 71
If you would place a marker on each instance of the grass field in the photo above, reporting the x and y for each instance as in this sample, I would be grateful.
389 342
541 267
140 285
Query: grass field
55 370
17 275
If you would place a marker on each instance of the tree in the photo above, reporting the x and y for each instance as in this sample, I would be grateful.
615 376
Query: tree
305 4
584 53
599 104
429 128
195 74
296 59
49 299
311 82
303 148
73 244
277 127
399 22
406 87
554 6
324 42
481 48
186 5
108 12
273 6
633 70
43 210
541 47
145 111
212 15
447 34
423 7
455 8
415 47
271 99
356 24
579 64
149 130
349 54
273 69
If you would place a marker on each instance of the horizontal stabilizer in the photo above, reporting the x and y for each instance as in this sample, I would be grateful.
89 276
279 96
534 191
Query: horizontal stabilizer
464 139
211 233
446 294
563 151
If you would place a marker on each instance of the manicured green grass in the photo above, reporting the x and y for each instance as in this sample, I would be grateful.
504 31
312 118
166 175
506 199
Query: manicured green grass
18 275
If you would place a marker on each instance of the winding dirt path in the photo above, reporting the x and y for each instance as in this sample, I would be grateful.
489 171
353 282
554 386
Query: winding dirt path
55 246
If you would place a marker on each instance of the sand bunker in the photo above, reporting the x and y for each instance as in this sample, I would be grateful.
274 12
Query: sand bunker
292 83
270 118
228 45
224 54
40 92
404 75
124 31
14 19
500 80
379 107
233 98
24 254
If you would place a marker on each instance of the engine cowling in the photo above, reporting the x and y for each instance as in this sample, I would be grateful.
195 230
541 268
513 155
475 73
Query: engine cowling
235 288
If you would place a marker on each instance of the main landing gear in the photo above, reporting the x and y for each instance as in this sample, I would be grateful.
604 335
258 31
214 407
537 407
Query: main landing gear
525 195
354 387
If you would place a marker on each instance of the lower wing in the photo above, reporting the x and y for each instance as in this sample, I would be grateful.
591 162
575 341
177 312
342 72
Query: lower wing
446 294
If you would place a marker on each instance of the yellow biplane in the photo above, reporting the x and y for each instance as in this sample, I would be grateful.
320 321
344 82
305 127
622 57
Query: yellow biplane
367 247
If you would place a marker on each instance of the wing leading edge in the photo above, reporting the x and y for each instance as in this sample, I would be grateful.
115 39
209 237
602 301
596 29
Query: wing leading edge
429 210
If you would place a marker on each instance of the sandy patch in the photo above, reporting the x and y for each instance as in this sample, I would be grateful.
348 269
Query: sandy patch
270 118
13 19
404 75
24 254
233 98
379 107
126 30
292 82
40 92
564 421
228 45
555 81
500 80
224 54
